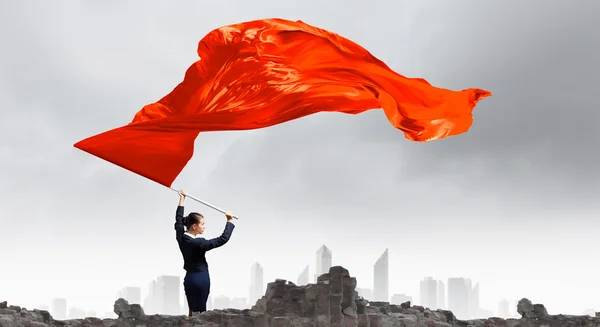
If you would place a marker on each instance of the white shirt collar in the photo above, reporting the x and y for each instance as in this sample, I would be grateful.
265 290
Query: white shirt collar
190 235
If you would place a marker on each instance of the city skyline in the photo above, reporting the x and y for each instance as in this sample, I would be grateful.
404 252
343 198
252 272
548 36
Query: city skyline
462 295
499 205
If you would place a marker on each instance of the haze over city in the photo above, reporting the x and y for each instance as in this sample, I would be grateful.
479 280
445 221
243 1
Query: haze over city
164 295
512 204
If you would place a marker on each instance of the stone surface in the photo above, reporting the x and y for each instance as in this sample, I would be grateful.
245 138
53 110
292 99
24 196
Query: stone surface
332 302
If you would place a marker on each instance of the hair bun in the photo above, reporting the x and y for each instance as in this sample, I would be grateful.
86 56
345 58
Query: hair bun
184 221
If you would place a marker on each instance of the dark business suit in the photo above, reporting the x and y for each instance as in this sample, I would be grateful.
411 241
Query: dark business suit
197 279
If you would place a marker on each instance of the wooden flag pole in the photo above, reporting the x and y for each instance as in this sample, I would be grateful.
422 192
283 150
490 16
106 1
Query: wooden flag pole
205 203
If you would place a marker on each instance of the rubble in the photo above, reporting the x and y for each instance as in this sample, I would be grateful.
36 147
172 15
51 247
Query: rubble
332 302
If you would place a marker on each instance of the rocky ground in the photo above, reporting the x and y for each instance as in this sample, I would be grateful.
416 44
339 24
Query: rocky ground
333 302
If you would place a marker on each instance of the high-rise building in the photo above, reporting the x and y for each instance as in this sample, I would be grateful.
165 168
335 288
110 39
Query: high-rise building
428 293
152 303
503 309
303 278
239 303
380 278
256 284
474 310
76 313
459 297
170 288
323 261
131 294
164 296
222 302
441 295
400 298
59 309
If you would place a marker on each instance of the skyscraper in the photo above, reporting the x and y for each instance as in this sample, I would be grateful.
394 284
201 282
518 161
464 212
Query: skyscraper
164 296
428 292
380 278
238 303
222 302
323 261
303 278
474 302
256 284
131 294
59 309
441 295
503 309
170 287
76 313
153 303
459 297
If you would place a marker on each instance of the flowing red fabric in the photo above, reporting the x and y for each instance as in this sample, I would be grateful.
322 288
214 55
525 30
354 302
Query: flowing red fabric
266 72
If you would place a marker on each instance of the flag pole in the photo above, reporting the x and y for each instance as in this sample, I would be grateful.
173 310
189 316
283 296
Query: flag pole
205 203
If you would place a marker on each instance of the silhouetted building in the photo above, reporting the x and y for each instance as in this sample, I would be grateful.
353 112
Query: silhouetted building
76 313
239 303
152 303
459 294
380 278
171 286
400 298
474 309
365 293
256 284
323 261
163 296
222 302
441 295
131 294
59 309
429 292
303 278
503 309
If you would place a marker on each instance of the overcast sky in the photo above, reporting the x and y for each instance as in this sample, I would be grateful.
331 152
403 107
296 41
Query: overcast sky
512 204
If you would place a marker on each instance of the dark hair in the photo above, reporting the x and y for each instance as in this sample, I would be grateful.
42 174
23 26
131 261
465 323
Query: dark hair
191 218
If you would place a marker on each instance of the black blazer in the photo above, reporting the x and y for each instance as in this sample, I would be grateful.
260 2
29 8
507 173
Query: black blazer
194 249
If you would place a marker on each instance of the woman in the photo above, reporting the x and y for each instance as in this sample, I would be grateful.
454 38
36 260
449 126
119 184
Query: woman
193 248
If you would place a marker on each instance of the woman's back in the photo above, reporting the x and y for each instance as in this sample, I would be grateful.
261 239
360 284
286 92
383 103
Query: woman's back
194 248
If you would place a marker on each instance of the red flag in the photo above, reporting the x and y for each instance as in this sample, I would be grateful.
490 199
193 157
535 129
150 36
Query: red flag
266 72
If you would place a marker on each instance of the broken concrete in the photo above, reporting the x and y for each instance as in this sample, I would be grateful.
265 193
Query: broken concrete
332 302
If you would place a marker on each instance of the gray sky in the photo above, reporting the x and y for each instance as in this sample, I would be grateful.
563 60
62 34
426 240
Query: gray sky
511 204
